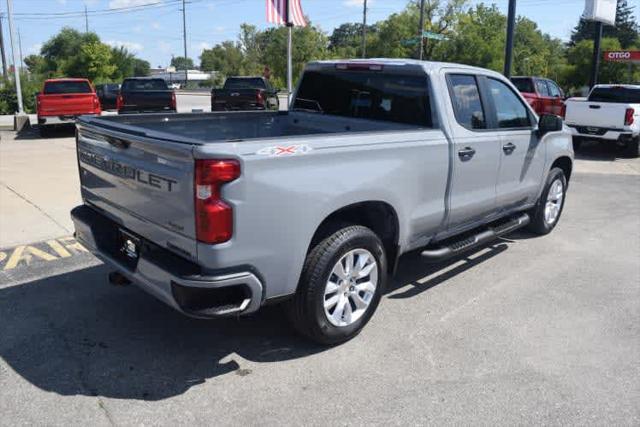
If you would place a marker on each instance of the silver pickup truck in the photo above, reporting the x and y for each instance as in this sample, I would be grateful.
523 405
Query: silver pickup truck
220 213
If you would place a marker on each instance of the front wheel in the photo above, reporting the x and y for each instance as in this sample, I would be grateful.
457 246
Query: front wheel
546 214
341 284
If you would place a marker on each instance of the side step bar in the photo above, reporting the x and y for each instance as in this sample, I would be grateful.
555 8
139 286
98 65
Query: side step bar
476 240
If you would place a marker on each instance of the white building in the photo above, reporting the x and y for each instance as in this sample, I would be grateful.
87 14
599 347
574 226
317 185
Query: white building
171 75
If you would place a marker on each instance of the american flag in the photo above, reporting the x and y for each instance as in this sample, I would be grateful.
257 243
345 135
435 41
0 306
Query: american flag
277 12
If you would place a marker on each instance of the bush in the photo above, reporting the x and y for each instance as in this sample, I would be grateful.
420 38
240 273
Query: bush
9 100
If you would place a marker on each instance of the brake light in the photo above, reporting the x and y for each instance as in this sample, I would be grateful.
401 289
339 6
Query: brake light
173 101
259 97
563 110
628 116
96 104
119 102
359 66
214 217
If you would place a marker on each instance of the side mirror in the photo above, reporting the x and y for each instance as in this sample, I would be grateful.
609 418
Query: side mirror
549 123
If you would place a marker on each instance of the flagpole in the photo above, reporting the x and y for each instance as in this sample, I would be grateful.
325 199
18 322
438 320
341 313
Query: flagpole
289 54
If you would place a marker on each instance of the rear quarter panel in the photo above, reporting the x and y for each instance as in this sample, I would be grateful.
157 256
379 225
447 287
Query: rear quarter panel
280 200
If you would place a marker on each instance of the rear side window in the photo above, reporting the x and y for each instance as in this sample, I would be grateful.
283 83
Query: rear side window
541 88
620 94
53 88
144 84
523 84
510 110
244 84
466 101
554 90
367 95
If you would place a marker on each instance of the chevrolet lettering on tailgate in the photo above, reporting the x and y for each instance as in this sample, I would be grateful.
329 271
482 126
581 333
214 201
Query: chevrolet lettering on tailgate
122 170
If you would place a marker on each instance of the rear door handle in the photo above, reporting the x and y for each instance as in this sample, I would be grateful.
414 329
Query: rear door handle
508 148
466 153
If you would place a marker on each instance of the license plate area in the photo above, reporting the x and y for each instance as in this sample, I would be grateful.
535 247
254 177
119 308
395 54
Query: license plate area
128 248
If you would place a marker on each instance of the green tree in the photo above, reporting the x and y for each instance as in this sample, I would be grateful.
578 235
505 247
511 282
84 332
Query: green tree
579 69
625 30
397 36
141 68
346 40
94 63
36 64
62 50
479 39
226 58
182 63
124 62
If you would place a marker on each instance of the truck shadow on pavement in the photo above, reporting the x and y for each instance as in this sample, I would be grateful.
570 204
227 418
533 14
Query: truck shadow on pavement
74 334
596 151
33 133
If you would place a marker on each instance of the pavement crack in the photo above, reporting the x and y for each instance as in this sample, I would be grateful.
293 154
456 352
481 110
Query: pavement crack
36 206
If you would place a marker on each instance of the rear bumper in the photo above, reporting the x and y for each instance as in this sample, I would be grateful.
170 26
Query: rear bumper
607 134
142 110
61 120
172 279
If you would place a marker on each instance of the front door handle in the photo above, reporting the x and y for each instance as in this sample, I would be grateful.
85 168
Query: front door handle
466 153
508 148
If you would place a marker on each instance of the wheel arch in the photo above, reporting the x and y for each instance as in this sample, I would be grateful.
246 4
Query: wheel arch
379 216
566 164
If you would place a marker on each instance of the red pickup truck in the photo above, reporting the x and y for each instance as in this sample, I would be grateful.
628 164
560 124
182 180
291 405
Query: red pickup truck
544 95
62 100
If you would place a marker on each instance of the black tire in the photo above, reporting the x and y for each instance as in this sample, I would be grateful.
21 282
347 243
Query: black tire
306 309
577 142
538 224
632 148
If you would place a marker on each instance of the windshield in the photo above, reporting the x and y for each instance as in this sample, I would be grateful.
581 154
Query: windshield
53 88
620 94
378 96
144 84
256 83
523 84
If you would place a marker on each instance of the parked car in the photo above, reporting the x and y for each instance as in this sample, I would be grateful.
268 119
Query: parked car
245 93
221 213
61 101
145 95
108 95
610 113
544 95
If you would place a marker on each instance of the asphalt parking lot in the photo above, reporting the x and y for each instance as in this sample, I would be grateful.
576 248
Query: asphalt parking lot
528 330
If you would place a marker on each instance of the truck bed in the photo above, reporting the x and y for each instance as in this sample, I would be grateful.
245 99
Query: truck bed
202 128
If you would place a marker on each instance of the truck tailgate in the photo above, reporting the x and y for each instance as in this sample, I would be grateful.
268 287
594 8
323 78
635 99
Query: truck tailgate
148 100
595 114
66 104
145 185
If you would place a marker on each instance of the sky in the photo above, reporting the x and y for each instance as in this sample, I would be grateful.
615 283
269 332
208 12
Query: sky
153 29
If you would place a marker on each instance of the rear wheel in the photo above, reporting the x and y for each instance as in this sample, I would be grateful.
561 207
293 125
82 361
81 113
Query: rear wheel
546 214
577 142
341 284
632 148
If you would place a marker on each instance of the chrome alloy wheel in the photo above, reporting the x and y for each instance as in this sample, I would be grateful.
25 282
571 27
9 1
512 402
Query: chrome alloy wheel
554 202
350 287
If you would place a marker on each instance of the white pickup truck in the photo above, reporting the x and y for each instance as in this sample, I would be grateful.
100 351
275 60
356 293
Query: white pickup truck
610 113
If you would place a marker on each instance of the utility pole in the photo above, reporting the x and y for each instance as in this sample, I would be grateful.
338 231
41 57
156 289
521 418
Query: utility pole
184 38
508 50
20 49
364 30
4 59
421 30
86 20
595 62
289 23
13 54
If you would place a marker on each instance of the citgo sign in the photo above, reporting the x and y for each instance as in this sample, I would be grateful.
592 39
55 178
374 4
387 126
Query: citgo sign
622 55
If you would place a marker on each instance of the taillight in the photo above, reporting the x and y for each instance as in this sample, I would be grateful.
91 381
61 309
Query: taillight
259 97
173 101
628 116
96 103
563 110
119 102
214 217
